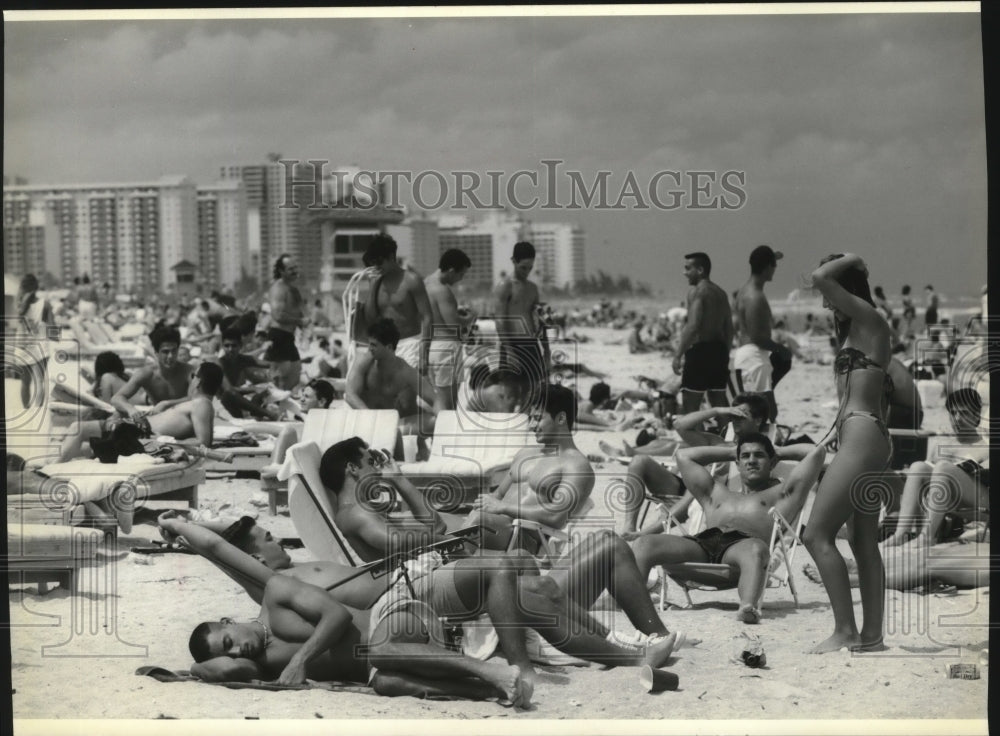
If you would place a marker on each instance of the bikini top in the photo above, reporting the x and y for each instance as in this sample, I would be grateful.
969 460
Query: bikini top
851 359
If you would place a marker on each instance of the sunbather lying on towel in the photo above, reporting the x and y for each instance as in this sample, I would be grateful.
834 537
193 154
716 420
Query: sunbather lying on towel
738 524
303 632
463 589
192 419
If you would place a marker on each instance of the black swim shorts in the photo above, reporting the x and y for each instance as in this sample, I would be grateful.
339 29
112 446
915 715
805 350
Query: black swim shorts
706 367
282 346
715 542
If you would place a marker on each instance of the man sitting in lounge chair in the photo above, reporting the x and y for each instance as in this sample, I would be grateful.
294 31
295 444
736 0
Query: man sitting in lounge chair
191 419
748 414
738 524
546 484
379 379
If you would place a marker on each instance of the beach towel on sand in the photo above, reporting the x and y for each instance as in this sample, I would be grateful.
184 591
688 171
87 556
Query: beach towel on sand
164 675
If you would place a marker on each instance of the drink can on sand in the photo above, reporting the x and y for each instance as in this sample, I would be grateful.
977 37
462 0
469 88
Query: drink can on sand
962 671
656 681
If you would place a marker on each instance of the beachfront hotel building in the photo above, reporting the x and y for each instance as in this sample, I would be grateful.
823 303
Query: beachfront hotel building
126 234
223 253
560 258
271 229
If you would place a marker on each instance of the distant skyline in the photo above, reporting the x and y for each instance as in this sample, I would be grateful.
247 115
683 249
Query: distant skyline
855 132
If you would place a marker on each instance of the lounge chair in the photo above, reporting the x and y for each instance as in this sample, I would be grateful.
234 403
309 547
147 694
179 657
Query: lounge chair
132 355
127 483
308 502
43 553
470 453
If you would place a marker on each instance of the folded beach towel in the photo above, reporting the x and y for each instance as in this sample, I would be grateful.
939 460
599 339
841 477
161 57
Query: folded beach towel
164 675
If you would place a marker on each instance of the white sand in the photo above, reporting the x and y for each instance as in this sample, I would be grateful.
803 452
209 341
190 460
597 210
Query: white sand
150 609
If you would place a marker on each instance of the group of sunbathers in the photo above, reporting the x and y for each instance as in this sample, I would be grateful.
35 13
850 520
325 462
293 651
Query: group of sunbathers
329 621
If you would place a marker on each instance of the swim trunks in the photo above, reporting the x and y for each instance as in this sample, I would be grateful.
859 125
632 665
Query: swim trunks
753 368
408 348
715 542
444 363
109 425
706 367
282 346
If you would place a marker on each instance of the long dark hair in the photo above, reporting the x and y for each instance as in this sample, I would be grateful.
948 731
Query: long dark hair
854 282
108 362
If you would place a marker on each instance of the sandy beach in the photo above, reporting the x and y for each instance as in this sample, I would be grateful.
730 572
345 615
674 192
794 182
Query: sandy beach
137 610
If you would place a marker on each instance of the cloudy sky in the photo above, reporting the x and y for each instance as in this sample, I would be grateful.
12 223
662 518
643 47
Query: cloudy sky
854 132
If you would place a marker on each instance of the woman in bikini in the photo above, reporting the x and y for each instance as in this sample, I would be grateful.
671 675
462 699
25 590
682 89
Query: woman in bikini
851 486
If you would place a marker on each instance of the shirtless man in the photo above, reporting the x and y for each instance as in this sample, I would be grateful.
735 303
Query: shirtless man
449 327
287 315
547 484
705 339
738 524
752 359
303 632
379 379
464 588
190 418
238 370
748 415
399 294
515 302
166 383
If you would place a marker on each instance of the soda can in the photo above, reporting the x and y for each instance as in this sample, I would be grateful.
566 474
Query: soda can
962 671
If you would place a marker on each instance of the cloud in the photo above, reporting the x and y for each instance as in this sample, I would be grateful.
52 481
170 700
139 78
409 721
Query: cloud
844 124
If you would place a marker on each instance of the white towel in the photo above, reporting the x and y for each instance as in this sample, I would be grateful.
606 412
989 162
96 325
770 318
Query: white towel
90 479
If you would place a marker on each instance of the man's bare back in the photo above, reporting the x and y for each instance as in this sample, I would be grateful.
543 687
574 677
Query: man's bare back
183 421
389 384
715 323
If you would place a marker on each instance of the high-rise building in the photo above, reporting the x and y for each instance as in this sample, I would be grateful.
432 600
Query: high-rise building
126 234
223 255
559 247
272 225
488 241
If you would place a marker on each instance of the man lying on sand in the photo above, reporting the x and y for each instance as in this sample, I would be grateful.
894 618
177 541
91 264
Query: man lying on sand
738 524
459 590
303 632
